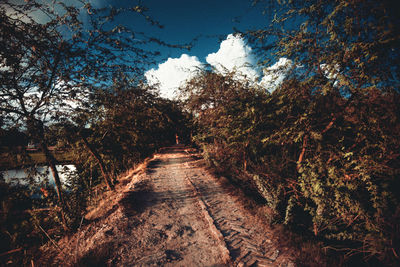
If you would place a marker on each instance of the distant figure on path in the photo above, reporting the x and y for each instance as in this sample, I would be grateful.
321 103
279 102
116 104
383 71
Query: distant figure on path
177 139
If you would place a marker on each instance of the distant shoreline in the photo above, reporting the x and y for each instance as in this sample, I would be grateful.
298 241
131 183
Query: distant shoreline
10 160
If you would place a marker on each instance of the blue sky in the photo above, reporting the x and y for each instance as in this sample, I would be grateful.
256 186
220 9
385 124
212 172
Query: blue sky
208 25
212 20
183 20
212 23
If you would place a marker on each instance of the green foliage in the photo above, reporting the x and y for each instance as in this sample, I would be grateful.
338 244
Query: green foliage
325 164
24 208
66 80
129 125
337 122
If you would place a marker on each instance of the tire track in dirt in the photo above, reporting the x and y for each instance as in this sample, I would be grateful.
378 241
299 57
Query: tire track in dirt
245 240
225 254
176 213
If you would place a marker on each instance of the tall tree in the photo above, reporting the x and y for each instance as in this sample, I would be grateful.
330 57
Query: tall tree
339 117
55 57
352 43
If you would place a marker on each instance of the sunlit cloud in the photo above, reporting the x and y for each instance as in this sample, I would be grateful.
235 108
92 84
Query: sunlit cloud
234 55
173 73
275 74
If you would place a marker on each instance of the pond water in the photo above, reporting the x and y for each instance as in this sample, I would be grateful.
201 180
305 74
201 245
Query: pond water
22 176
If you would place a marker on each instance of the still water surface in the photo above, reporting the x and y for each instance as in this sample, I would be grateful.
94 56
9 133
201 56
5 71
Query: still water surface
21 177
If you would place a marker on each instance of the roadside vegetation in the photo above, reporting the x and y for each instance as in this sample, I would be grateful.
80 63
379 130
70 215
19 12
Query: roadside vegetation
320 149
71 88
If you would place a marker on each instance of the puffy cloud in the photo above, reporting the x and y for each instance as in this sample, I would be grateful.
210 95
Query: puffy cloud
172 74
234 55
275 74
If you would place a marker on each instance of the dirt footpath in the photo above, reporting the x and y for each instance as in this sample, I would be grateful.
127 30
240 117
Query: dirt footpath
173 213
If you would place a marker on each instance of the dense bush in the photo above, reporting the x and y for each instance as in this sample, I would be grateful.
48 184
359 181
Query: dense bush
324 162
323 148
128 126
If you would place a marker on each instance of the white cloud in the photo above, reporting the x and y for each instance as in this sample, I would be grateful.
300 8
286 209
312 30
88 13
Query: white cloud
275 74
172 74
234 55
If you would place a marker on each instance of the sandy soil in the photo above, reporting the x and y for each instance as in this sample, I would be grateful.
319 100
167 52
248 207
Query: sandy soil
171 212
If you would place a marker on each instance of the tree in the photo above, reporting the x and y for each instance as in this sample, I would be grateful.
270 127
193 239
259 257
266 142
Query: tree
322 148
30 84
52 68
227 111
335 118
355 43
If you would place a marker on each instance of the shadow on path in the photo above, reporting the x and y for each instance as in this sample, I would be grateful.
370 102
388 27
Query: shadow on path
136 201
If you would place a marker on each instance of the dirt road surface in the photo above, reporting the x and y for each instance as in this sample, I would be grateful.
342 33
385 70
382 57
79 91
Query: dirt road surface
170 213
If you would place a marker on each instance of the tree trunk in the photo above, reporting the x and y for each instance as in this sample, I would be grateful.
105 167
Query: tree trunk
303 151
96 155
51 162
245 156
36 131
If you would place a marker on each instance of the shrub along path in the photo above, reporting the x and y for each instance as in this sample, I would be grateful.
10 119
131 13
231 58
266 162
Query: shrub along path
172 213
